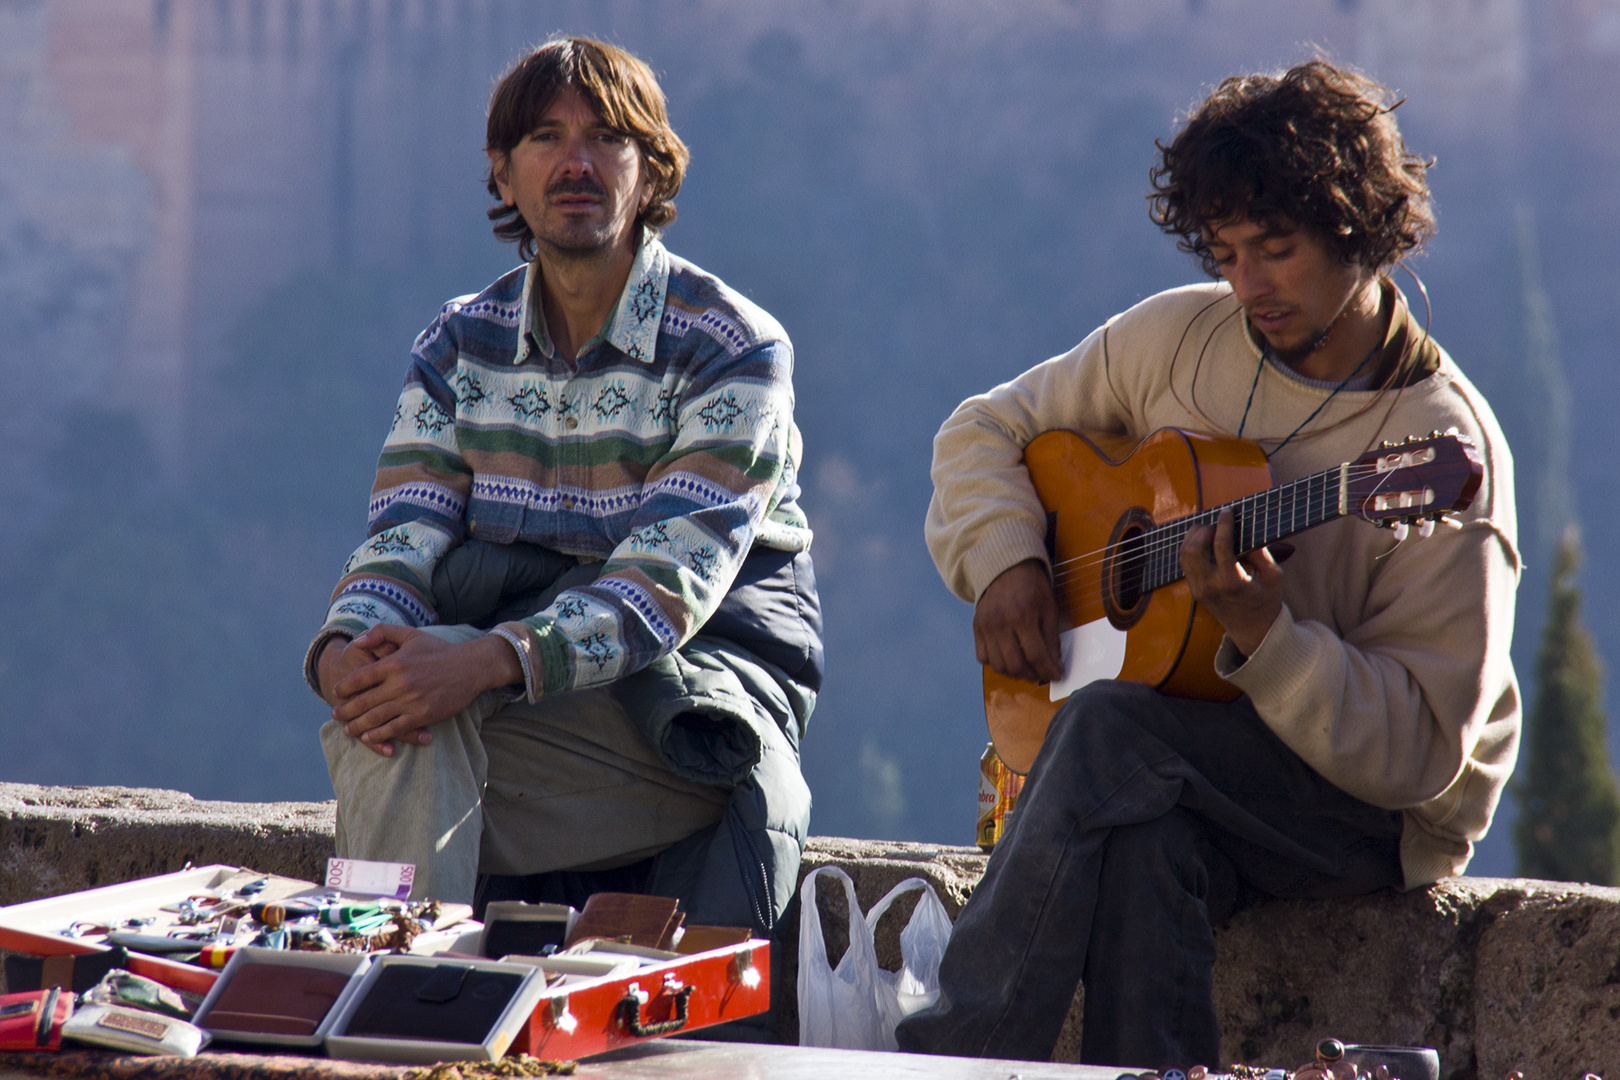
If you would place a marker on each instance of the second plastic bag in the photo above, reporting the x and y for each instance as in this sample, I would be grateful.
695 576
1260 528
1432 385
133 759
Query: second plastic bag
857 1005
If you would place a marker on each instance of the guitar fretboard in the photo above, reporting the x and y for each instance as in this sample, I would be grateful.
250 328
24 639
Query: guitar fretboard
1258 520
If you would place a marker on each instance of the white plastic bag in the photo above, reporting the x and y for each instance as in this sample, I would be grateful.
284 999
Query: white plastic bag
922 945
857 1005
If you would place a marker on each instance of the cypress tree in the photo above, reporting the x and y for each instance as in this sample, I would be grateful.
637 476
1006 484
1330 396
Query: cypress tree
1569 821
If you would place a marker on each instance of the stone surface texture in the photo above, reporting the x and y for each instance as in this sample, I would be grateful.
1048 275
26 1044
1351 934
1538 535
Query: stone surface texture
1495 974
1547 988
63 839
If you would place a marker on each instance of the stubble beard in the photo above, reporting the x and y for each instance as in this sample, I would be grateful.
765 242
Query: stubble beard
577 239
1294 355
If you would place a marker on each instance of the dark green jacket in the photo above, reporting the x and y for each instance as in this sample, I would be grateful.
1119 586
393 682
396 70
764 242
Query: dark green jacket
729 708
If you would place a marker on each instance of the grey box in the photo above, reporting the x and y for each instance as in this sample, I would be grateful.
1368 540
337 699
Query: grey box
511 1023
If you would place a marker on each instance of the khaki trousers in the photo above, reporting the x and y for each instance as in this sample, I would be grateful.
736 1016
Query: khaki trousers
506 787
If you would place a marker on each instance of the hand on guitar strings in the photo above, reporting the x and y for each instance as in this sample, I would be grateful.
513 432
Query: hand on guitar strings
1015 624
1244 594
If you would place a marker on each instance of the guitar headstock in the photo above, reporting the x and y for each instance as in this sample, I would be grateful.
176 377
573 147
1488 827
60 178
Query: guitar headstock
1416 482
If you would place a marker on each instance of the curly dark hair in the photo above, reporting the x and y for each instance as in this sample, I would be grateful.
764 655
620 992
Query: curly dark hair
620 88
1316 148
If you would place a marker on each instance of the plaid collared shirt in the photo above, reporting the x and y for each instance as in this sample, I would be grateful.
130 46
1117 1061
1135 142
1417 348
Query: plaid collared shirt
668 449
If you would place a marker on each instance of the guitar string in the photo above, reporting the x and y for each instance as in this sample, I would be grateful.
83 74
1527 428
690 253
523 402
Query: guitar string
1250 512
1157 550
1093 588
1168 541
1355 474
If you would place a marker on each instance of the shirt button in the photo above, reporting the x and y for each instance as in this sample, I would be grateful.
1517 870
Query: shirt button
568 502
572 422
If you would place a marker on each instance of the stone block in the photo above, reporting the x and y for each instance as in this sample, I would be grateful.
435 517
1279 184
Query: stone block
1547 992
63 839
1390 968
1496 974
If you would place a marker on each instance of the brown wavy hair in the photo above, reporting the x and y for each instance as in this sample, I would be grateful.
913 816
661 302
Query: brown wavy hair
618 87
1316 147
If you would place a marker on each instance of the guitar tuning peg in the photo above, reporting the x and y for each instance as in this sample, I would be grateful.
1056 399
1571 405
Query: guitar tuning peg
1385 445
1435 434
1452 430
1426 529
1401 529
1409 439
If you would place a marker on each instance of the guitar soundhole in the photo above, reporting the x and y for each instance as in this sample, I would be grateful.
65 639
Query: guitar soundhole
1124 569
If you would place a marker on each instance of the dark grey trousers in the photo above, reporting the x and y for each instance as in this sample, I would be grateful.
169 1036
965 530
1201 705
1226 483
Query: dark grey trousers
1144 822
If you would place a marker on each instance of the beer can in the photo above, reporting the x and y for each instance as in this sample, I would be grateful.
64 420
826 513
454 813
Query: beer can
998 795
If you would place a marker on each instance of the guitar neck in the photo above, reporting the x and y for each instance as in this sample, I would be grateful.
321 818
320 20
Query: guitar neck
1257 520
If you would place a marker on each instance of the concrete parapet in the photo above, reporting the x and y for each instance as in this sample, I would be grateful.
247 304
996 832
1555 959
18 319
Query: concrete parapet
1497 974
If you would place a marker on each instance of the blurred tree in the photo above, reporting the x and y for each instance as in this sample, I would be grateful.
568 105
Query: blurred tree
1569 823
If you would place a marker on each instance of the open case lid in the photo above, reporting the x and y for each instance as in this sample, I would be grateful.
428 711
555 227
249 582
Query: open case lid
44 927
40 927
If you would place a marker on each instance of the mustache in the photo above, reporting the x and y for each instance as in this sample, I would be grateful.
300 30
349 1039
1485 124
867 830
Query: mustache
582 185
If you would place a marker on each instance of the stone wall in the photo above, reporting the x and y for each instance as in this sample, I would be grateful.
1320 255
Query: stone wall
63 839
1497 974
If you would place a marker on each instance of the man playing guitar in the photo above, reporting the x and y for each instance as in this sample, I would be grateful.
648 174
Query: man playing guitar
1379 715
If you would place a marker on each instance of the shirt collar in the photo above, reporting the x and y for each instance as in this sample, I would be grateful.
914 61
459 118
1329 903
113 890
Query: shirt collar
633 328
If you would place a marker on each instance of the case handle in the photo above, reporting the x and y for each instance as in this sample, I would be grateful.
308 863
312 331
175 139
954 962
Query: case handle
630 1013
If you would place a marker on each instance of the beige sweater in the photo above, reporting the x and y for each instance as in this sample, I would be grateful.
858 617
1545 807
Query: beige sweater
1388 669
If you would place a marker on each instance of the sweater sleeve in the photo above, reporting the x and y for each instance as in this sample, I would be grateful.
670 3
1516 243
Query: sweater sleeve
702 506
985 516
418 504
1391 711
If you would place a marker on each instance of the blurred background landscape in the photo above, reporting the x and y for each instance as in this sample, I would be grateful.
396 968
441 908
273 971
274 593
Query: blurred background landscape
222 222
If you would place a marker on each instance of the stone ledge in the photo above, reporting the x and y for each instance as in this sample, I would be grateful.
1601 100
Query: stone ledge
64 839
1496 973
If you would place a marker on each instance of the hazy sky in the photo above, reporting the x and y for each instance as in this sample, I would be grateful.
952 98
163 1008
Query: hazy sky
222 223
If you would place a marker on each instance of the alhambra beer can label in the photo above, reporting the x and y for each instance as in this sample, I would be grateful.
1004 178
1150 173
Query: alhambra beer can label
998 795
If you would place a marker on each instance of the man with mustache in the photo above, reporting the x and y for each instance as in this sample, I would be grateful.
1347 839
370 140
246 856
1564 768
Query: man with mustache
1379 720
580 645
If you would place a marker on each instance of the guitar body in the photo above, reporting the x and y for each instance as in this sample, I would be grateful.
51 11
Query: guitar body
1099 490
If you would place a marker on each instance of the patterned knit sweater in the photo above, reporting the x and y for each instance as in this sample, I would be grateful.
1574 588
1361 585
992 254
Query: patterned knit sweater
668 449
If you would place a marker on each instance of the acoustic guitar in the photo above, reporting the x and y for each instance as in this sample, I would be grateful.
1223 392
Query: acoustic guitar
1118 509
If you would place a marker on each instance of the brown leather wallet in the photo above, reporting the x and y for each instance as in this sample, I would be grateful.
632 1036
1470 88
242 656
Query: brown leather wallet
703 938
649 921
275 999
